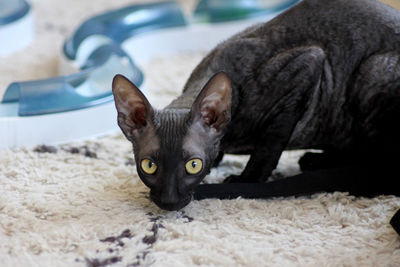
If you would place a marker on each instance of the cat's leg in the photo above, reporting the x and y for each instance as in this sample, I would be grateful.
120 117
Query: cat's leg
292 77
327 159
377 94
376 98
218 159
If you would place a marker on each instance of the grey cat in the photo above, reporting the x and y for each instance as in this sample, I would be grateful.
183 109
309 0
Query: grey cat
325 74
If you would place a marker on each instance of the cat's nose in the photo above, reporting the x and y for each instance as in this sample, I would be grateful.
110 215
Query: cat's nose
169 196
169 199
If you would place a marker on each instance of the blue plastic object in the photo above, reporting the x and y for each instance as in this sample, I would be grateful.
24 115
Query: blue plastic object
223 10
123 23
105 57
12 10
92 86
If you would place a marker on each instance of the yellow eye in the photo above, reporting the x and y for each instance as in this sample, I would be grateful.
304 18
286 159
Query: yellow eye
148 166
194 166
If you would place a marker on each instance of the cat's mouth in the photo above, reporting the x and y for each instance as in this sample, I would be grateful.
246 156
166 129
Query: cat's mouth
182 202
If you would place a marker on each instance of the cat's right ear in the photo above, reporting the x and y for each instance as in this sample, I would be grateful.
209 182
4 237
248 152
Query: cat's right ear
212 106
134 110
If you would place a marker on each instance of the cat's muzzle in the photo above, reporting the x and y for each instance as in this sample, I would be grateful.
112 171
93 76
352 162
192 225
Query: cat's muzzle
182 202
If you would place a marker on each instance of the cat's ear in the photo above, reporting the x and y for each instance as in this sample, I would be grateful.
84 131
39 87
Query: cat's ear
212 106
134 110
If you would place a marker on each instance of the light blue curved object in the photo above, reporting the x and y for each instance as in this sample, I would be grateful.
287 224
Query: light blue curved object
92 85
12 10
16 26
228 10
121 24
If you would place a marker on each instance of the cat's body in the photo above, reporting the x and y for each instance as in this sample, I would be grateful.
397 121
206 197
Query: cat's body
325 74
339 36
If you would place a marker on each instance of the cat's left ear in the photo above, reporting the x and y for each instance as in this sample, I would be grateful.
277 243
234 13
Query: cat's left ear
134 110
212 106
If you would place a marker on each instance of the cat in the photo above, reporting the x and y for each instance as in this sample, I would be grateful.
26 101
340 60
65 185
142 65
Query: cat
325 75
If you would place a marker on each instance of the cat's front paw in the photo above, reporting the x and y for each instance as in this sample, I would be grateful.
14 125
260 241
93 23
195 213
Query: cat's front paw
234 179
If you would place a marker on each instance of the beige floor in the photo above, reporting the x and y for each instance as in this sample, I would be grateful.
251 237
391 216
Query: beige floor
394 3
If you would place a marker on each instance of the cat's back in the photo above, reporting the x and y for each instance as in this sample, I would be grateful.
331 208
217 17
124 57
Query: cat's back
348 31
326 22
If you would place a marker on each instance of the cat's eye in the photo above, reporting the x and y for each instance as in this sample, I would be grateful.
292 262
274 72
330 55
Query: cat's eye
148 166
194 166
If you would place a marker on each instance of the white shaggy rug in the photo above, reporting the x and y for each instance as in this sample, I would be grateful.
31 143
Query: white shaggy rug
82 204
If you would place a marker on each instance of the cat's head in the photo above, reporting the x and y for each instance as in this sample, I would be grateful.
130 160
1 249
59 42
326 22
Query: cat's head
174 148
